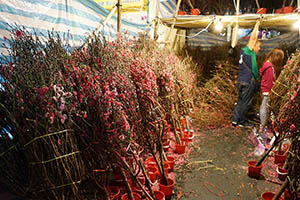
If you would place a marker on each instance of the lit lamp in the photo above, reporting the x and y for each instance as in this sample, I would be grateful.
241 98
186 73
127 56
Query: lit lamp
297 24
218 25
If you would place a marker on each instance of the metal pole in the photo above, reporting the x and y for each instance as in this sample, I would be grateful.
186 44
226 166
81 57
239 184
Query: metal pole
119 16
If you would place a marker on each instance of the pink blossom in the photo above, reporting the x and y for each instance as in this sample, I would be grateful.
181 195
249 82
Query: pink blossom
42 91
18 33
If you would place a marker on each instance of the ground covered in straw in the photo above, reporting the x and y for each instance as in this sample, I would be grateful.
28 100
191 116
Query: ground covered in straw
216 166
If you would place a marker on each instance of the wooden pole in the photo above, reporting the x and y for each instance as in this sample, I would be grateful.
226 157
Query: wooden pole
119 16
102 24
257 4
234 40
281 189
283 4
156 20
298 5
174 20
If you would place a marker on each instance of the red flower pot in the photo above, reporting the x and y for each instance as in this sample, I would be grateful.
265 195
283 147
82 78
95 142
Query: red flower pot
166 167
268 196
191 135
171 162
180 148
279 158
159 195
287 9
166 145
195 11
152 173
281 172
181 12
278 11
150 162
167 189
114 192
253 171
185 140
261 11
136 196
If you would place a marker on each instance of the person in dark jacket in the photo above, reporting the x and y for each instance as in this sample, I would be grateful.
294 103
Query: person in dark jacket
269 72
247 79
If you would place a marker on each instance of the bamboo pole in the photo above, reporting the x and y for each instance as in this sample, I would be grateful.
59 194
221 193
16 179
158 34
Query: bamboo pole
174 19
257 4
234 40
281 189
283 4
103 23
119 16
156 20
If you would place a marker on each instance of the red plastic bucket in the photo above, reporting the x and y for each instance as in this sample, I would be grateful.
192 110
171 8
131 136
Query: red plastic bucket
268 196
166 145
180 148
159 195
181 12
152 173
261 11
171 162
136 196
167 189
195 11
288 9
253 171
166 167
279 158
281 172
150 162
278 11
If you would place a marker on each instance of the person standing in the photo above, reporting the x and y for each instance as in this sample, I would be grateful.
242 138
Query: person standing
269 72
247 79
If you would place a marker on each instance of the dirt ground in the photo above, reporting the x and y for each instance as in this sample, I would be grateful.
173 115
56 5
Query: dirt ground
216 168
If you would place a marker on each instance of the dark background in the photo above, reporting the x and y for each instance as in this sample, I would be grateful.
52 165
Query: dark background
219 7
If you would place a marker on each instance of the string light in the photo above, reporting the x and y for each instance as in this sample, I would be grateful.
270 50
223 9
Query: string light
218 25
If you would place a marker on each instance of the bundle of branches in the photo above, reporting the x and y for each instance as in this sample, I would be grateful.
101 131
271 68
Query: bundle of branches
98 105
42 148
285 102
215 100
175 79
285 85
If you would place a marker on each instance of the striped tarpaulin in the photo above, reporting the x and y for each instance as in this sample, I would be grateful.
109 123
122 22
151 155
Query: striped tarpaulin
75 19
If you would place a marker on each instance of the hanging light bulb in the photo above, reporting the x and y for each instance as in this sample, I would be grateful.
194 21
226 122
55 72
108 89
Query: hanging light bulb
240 31
218 25
297 24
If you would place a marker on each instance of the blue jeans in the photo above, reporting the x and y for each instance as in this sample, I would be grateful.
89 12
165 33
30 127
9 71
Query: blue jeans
246 92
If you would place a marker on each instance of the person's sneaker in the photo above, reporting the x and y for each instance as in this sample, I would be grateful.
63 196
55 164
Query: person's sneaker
234 124
246 124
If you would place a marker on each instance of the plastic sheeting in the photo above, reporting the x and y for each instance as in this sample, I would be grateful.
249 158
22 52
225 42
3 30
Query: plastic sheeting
74 19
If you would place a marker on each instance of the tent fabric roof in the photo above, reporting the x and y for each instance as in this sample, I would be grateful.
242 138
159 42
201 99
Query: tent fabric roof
275 21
